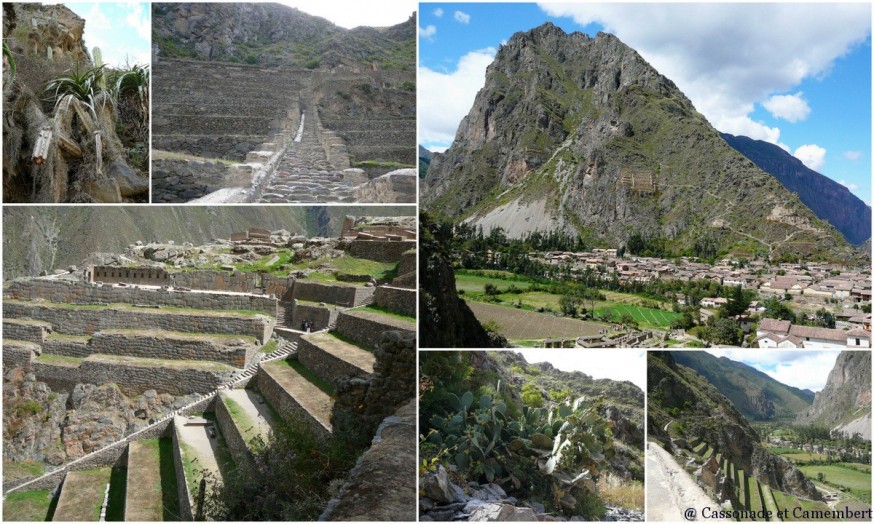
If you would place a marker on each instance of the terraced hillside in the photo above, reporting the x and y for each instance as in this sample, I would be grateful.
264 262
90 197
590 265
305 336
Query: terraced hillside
255 377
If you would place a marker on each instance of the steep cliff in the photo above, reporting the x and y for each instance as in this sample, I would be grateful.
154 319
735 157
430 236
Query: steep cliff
845 401
582 135
681 398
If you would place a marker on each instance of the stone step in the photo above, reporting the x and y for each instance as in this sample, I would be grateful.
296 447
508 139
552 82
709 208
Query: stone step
292 395
82 495
143 500
245 419
366 326
330 357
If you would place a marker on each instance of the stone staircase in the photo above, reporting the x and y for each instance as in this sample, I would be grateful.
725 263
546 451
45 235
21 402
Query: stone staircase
305 174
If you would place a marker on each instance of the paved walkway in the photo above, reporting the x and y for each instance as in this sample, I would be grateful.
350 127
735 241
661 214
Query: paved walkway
670 491
305 175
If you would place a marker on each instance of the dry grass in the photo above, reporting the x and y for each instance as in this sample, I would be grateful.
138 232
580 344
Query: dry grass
627 494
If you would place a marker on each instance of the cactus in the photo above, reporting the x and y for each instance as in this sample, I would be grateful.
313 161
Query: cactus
98 63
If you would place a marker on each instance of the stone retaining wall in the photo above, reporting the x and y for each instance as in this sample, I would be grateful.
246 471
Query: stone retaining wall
66 347
31 331
277 286
395 187
18 354
237 352
322 363
400 300
407 263
380 250
232 148
368 331
133 377
346 296
176 181
392 384
185 503
74 321
285 404
320 316
217 280
83 293
234 437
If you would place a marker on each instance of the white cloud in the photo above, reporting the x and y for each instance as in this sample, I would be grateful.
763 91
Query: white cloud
792 108
849 185
138 18
438 12
95 20
445 98
852 155
428 32
594 362
800 369
811 155
462 17
728 57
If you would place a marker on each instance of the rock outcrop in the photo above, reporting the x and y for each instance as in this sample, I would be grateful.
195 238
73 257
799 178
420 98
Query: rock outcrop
580 134
846 397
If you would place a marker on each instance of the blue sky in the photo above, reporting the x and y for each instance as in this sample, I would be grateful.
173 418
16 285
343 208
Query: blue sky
121 30
798 368
796 75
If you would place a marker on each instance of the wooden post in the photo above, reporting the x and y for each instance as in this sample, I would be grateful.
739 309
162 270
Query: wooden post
41 149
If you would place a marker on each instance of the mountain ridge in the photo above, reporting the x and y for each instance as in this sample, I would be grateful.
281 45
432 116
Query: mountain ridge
830 200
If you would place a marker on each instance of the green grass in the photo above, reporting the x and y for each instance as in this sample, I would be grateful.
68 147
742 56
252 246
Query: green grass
245 423
192 473
169 490
645 316
309 375
468 282
178 334
28 506
344 264
23 469
130 307
270 347
59 360
343 338
68 338
117 494
383 311
858 483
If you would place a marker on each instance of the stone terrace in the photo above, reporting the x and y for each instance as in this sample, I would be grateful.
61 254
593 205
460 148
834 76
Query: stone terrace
214 109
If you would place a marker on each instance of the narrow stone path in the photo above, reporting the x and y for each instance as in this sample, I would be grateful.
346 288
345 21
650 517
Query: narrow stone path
670 491
304 173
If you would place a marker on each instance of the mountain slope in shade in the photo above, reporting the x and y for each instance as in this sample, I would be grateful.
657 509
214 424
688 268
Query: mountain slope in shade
830 200
756 395
845 401
581 135
682 403
64 235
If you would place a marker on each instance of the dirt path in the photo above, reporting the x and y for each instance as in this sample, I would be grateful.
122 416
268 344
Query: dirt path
203 447
670 491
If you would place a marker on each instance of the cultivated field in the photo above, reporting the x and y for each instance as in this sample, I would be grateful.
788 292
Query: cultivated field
856 481
519 324
645 316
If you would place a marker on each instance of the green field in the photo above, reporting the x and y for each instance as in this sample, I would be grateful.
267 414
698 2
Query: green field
645 316
616 304
856 481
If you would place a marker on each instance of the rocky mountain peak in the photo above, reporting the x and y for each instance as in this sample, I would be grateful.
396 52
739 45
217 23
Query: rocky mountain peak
581 135
846 397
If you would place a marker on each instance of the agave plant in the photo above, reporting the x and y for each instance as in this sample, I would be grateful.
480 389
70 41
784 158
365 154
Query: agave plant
82 85
133 79
10 60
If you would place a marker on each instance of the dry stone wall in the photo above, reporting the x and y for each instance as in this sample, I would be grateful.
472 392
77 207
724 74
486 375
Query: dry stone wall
285 404
174 346
346 296
320 316
392 384
233 436
217 280
18 354
74 292
397 299
367 328
380 250
407 264
29 330
323 363
176 181
67 347
74 321
134 376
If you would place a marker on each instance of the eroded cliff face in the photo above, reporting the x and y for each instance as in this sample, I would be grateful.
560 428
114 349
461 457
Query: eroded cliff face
846 397
47 30
588 134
